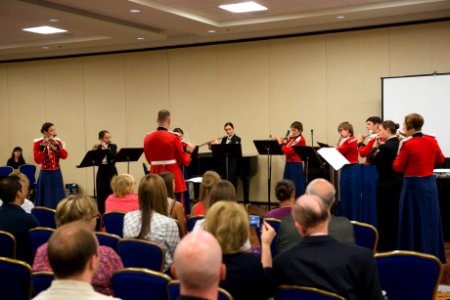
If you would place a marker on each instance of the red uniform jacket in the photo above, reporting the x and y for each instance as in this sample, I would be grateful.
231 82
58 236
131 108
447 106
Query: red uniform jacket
46 155
364 150
291 155
164 151
349 148
418 155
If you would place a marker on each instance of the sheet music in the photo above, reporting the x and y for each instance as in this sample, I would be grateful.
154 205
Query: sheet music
333 157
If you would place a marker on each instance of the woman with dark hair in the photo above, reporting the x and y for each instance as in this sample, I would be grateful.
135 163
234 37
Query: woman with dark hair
151 222
16 159
47 151
420 227
293 169
373 128
389 187
174 208
285 192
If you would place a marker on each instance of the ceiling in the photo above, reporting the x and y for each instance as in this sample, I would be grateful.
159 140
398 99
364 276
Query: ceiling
97 26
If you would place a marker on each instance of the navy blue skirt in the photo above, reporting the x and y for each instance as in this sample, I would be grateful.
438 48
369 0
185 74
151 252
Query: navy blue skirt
420 227
350 201
294 172
49 188
369 183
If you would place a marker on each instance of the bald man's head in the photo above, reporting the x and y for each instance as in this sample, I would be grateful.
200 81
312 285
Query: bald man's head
198 261
323 189
310 212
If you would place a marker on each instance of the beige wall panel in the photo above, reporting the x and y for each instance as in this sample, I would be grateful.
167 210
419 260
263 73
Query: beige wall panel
146 92
5 133
104 102
420 49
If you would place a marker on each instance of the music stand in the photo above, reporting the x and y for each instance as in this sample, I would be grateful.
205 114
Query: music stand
93 158
323 145
269 148
129 154
226 151
310 156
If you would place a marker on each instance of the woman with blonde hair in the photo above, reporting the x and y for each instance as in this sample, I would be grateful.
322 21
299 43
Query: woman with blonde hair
151 221
123 197
209 179
174 208
248 275
83 208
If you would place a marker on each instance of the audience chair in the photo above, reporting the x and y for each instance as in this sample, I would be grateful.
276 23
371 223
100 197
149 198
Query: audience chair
6 170
141 254
289 292
173 290
108 239
275 223
39 236
7 244
135 283
409 275
45 216
114 222
30 172
191 220
40 281
15 279
366 235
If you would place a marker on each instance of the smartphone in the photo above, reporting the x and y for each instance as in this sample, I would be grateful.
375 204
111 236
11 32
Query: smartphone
255 221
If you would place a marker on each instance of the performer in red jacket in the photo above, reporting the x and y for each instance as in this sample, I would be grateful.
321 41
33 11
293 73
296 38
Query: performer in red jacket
420 227
164 151
47 152
373 129
347 144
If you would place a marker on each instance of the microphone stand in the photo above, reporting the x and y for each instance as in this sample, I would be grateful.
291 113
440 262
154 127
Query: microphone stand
312 137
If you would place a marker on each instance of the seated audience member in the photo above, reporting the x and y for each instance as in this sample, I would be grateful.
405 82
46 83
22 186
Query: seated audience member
82 208
339 228
13 218
174 208
209 179
198 265
285 192
123 197
73 253
151 221
321 261
27 204
246 277
16 159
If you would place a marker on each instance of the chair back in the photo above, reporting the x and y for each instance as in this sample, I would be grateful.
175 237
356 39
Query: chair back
191 220
173 290
40 281
275 223
39 236
15 279
366 235
141 254
133 283
45 216
6 170
7 244
113 221
108 239
409 275
289 292
30 172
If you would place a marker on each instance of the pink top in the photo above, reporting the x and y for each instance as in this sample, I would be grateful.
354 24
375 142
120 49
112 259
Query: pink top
127 203
109 263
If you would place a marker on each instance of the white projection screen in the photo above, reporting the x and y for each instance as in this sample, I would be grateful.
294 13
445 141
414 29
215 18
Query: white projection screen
428 95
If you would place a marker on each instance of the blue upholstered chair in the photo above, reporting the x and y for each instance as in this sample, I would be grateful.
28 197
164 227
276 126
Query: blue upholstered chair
7 244
135 283
39 236
141 254
191 220
40 281
366 235
108 239
45 216
15 279
173 290
6 170
113 221
409 275
292 292
30 172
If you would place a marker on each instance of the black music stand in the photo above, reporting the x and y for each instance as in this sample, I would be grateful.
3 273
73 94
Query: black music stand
310 156
269 148
129 154
226 151
91 159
